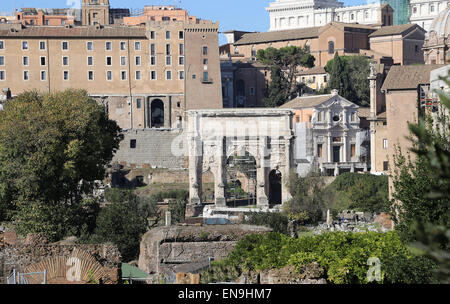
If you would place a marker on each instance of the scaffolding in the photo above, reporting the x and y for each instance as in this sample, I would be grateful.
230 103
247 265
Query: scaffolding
247 166
402 10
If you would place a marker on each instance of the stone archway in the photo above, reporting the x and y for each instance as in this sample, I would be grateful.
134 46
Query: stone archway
214 135
157 113
275 186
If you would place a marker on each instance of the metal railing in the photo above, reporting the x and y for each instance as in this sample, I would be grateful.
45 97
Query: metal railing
16 277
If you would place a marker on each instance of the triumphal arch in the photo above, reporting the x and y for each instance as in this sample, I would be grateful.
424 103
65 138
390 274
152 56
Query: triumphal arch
263 135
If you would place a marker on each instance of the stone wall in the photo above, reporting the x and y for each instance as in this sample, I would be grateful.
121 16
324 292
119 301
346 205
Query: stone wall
153 149
188 249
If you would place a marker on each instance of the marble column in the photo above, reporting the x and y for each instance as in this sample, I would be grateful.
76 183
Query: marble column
220 174
286 195
330 151
195 170
261 171
344 154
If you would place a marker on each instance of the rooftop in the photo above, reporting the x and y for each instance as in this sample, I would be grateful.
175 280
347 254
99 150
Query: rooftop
306 102
408 76
394 30
75 32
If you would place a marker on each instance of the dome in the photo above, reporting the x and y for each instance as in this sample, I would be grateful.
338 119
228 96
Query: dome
441 25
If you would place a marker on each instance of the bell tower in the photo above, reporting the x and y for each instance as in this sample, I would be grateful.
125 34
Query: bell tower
95 12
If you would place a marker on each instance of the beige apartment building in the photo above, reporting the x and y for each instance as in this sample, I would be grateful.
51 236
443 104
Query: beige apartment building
403 43
147 76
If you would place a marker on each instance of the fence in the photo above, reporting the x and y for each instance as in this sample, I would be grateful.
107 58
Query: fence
16 277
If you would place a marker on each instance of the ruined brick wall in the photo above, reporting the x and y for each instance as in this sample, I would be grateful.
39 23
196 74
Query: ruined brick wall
24 254
187 249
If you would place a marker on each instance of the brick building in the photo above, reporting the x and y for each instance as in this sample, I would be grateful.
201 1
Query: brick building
147 76
159 13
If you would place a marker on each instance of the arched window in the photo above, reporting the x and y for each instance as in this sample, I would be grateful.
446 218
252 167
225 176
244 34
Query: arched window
331 47
157 110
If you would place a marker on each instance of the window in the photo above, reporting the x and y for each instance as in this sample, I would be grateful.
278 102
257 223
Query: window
65 45
123 75
152 60
308 48
25 61
205 76
352 150
168 49
385 166
416 48
24 45
2 75
168 60
65 60
138 75
353 116
26 75
152 34
66 75
314 79
152 49
108 46
109 75
42 45
181 75
205 50
320 116
109 60
123 60
180 35
167 34
137 46
319 150
90 60
385 144
133 144
297 119
123 45
181 60
47 22
43 61
169 75
432 8
153 75
330 47
2 45
90 75
138 103
325 78
252 91
205 61
352 17
137 60
90 46
181 49
415 9
2 60
43 75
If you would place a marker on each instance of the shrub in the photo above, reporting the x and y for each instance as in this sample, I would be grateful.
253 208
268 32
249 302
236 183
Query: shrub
343 255
277 221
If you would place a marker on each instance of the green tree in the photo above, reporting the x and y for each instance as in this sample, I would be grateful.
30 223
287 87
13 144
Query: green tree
422 187
349 75
284 64
123 224
308 197
52 149
360 192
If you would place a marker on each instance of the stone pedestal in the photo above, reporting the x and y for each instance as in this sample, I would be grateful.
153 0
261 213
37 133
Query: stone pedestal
194 210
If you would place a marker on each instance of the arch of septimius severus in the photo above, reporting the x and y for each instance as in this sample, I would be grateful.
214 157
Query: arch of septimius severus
215 135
